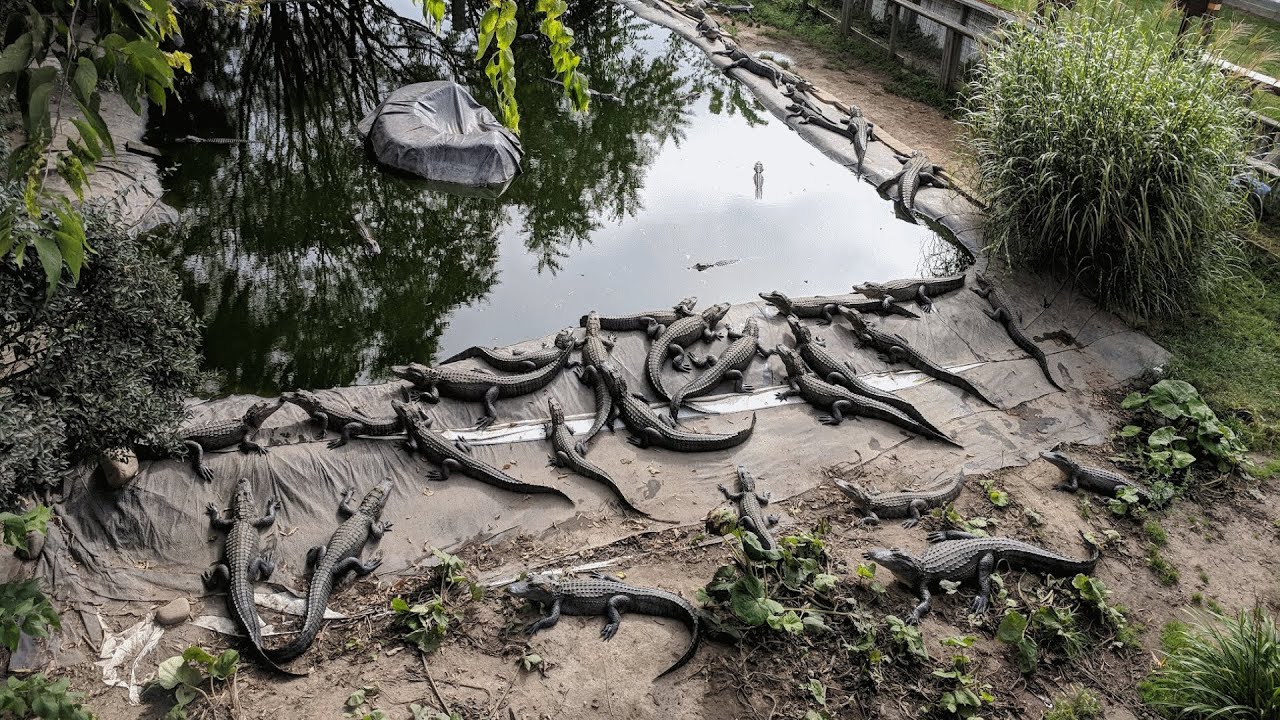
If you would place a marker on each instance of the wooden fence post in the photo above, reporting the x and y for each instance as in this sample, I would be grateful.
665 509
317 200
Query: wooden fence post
952 46
893 25
846 16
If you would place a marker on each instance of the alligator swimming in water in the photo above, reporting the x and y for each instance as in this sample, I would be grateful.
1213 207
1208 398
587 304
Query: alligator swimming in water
729 366
648 428
567 454
347 422
1002 312
894 348
959 556
750 503
606 595
482 385
917 170
909 504
1099 480
922 290
218 435
674 341
332 562
653 322
825 307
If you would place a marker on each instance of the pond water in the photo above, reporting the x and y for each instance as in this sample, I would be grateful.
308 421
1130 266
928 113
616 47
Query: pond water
614 208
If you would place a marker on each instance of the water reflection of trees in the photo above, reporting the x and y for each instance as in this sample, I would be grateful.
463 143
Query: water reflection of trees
273 261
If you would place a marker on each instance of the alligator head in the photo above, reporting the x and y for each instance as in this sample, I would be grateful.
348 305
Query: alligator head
557 411
778 300
855 111
854 317
746 483
860 496
1058 459
304 399
792 362
539 588
409 412
751 326
564 339
417 373
802 334
686 306
714 314
242 505
260 411
591 321
903 565
376 498
613 379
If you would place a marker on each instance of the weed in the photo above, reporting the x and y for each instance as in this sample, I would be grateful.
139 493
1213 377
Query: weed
964 695
36 696
1094 594
907 638
955 521
1214 606
1078 705
187 675
996 496
818 692
1182 431
1165 571
428 620
1202 574
1197 598
356 701
1155 533
425 713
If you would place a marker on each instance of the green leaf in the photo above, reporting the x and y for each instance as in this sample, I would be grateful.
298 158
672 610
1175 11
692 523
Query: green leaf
1133 400
197 654
16 56
818 691
41 83
1012 627
1182 459
823 582
1028 654
755 551
1163 437
399 605
174 672
225 665
85 81
999 498
51 259
1130 431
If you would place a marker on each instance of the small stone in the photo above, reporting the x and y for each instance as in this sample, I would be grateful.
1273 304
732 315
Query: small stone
119 467
175 612
35 544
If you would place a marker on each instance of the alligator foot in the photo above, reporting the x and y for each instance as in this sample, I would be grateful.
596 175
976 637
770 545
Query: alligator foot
829 420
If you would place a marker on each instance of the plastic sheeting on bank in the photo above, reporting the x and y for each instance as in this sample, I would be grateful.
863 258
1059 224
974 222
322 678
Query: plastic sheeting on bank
437 130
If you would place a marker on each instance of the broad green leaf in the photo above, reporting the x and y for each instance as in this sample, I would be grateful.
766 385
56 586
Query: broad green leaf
1012 627
822 582
174 672
16 56
1028 654
37 115
51 259
1163 436
85 81
1130 431
1133 400
1181 459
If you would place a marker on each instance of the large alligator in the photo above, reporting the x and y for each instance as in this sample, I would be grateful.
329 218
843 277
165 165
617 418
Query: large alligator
482 385
838 401
917 170
729 366
749 505
595 352
1099 480
864 131
333 561
345 421
755 66
1002 312
922 290
648 428
653 322
242 563
567 454
825 307
606 595
908 504
678 336
220 434
842 372
456 455
959 556
893 348
509 360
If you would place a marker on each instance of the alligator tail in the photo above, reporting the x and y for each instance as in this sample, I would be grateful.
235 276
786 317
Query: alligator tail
471 352
316 601
689 651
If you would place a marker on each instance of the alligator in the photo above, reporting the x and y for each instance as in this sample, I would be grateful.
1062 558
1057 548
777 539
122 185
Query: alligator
838 400
676 338
799 101
509 360
567 454
756 66
842 372
894 348
595 352
653 322
758 179
456 455
606 595
864 131
917 170
648 428
918 289
242 564
825 307
482 385
902 504
332 562
959 556
220 434
730 9
597 94
1002 311
710 29
342 420
749 505
729 366
810 115
1097 479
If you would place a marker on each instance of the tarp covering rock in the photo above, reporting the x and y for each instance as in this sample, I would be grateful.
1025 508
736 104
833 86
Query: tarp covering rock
438 131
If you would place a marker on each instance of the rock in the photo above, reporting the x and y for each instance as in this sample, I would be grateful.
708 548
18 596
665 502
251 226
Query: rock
175 612
35 544
119 467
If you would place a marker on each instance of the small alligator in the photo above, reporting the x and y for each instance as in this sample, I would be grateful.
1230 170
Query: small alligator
838 400
729 366
864 131
653 322
749 505
332 562
342 420
755 66
917 170
826 306
509 360
758 179
220 434
595 352
842 372
482 385
730 9
959 556
799 100
1097 479
902 504
648 428
678 336
894 348
597 94
567 454
922 290
371 246
456 455
811 115
710 29
1002 312
606 595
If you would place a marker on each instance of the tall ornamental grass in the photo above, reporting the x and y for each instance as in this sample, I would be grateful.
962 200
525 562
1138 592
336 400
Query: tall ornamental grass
1105 148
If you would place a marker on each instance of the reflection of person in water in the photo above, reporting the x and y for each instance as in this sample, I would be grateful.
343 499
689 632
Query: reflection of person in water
759 179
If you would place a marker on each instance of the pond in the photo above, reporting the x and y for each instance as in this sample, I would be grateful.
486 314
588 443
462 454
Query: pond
613 211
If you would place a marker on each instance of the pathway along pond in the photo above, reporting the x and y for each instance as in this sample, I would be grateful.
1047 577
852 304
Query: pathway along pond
613 210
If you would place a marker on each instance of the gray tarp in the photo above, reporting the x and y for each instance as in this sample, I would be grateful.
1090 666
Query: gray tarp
436 130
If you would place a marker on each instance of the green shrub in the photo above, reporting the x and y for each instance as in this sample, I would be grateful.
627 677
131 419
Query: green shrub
1220 667
1181 431
1105 149
1079 705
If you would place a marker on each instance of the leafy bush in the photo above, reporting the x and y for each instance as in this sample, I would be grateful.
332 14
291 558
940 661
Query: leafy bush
427 621
103 364
1220 667
1105 148
188 673
1180 430
37 697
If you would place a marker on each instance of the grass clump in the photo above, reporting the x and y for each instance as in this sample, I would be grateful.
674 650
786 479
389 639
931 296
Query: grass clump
1165 571
1079 705
1155 533
1220 667
1105 149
